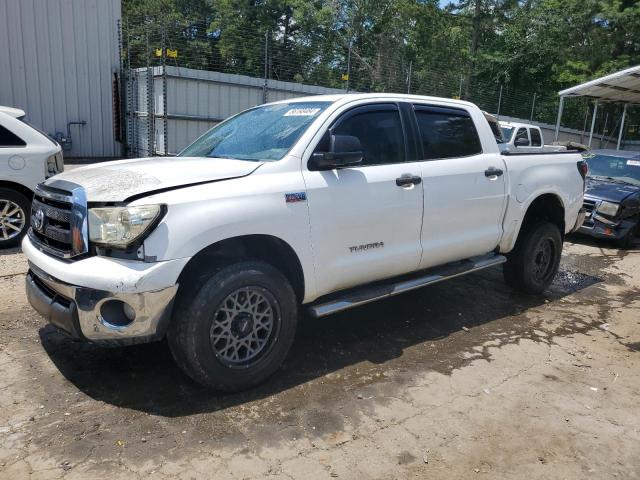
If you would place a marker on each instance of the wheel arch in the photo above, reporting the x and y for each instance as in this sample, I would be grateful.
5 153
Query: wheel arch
542 206
546 206
267 248
18 187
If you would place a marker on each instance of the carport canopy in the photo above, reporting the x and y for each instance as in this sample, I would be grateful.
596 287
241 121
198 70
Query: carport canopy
621 87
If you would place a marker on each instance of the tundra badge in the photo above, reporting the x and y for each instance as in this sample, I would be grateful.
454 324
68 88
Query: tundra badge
295 197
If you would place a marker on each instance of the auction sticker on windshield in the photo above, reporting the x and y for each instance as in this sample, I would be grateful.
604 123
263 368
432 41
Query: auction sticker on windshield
635 163
302 112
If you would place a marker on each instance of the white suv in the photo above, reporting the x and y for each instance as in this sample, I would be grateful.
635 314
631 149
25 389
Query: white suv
27 158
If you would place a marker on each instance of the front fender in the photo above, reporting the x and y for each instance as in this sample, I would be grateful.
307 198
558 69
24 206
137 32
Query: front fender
200 216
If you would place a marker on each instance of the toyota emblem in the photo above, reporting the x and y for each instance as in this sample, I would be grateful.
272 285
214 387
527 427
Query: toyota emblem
37 220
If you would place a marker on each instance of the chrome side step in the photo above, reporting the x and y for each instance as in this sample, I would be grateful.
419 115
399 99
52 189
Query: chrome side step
362 295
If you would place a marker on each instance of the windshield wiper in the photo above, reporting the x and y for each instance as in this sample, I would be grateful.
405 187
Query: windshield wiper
229 157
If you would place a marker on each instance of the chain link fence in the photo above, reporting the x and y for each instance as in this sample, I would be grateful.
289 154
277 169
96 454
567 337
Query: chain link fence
149 43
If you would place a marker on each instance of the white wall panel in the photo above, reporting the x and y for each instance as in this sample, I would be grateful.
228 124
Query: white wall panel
57 63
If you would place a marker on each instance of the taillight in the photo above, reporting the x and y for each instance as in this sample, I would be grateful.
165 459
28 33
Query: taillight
583 168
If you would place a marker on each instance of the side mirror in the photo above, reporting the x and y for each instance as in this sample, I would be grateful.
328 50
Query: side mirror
521 142
344 151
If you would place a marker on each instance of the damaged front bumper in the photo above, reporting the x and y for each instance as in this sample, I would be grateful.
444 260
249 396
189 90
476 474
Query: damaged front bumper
598 226
77 302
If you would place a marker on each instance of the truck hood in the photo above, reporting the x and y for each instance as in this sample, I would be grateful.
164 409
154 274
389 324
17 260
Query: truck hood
610 191
121 180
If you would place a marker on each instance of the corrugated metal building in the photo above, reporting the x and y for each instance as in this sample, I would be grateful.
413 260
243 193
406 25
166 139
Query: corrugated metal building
58 63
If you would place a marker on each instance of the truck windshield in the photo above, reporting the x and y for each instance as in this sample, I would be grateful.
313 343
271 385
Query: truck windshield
506 133
614 168
260 134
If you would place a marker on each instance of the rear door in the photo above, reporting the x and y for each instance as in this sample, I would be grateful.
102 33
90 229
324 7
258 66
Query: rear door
536 137
463 187
366 219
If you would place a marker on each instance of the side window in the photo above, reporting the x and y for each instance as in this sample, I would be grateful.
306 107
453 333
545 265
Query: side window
380 133
536 138
10 139
522 133
447 133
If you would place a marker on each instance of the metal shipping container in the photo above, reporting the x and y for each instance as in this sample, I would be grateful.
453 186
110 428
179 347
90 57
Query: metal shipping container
59 63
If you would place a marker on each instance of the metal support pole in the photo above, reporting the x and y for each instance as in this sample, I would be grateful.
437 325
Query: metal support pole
409 78
165 120
150 106
499 103
593 121
266 68
533 106
624 115
460 88
560 108
604 131
584 124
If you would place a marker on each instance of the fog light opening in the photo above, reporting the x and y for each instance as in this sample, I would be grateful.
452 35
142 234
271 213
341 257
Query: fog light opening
117 314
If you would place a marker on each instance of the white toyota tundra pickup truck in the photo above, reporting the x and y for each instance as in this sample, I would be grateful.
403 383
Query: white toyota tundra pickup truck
321 203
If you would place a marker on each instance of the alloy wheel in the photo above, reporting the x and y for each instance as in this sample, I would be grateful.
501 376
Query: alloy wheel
12 220
244 326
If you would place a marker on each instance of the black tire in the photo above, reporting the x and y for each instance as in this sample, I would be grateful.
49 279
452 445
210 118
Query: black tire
8 236
201 345
534 261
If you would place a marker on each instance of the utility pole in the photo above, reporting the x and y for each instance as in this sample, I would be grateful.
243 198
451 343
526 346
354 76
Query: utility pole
266 67
349 65
533 106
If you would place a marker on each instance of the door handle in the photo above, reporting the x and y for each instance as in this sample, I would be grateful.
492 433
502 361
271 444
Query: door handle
408 179
493 172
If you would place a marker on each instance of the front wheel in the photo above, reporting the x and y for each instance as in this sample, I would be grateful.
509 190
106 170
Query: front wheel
237 329
15 211
534 261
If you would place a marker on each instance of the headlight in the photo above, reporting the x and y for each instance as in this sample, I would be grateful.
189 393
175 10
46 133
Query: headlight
121 226
608 208
51 167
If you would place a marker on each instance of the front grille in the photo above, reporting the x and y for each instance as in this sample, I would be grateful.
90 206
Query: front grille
58 219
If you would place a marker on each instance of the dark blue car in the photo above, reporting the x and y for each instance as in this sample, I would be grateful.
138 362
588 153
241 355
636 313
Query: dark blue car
612 195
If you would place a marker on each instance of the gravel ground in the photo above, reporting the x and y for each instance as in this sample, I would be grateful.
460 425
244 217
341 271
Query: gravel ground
464 379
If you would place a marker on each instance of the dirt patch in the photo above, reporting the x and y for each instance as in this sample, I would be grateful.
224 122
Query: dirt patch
531 386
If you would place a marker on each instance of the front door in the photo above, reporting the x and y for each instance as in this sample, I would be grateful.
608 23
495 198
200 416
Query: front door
364 225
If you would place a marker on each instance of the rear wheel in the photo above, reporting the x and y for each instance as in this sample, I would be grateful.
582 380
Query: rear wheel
534 261
237 329
15 213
